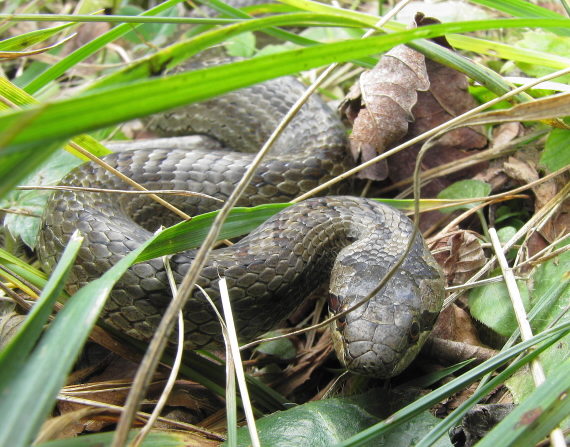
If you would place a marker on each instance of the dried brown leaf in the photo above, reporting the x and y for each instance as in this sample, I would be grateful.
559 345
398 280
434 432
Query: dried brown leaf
460 256
548 108
9 326
448 97
381 106
455 324
523 168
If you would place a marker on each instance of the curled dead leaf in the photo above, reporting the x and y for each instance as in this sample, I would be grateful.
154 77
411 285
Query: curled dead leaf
380 106
460 256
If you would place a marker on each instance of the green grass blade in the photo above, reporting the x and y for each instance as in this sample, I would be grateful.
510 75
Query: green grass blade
504 51
171 56
486 77
103 108
13 356
520 8
191 234
539 414
455 418
30 394
23 41
15 378
90 48
83 18
23 99
365 61
65 118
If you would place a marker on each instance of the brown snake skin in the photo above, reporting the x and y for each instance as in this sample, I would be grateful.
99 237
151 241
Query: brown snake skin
272 271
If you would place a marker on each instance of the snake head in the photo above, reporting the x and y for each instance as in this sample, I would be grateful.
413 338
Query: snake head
384 335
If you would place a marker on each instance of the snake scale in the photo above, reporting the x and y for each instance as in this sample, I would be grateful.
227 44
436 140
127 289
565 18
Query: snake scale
350 241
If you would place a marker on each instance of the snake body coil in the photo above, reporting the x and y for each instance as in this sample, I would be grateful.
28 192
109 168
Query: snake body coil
273 270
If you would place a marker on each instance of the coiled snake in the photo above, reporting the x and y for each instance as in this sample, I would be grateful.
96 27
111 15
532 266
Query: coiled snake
352 241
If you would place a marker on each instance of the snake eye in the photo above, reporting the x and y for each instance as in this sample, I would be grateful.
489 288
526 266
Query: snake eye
334 303
414 332
335 307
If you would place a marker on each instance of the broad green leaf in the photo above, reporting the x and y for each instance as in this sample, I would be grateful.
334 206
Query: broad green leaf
548 44
492 306
556 154
283 349
324 423
33 201
506 233
241 45
464 189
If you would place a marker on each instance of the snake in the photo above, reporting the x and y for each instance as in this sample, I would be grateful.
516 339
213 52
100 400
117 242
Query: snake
347 243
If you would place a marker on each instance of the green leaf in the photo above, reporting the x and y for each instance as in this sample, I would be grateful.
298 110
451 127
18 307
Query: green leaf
191 234
506 233
242 45
548 44
33 201
556 154
492 306
464 189
186 235
283 349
